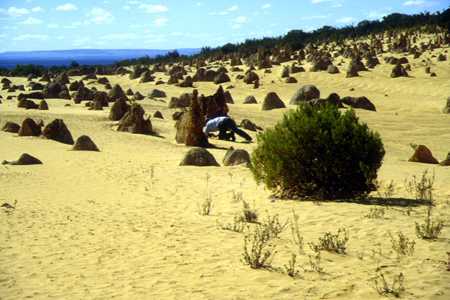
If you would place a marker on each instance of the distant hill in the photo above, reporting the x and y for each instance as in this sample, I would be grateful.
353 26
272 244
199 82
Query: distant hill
83 57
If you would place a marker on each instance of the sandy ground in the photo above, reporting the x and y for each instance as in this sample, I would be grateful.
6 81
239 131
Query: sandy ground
123 223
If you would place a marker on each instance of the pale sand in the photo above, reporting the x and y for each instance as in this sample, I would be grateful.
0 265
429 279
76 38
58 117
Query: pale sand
95 226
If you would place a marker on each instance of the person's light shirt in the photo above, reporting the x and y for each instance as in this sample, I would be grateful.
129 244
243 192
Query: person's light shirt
213 124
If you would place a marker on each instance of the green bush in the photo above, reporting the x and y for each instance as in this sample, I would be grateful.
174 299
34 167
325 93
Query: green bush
318 152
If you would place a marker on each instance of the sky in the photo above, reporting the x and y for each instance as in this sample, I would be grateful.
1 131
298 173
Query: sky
27 25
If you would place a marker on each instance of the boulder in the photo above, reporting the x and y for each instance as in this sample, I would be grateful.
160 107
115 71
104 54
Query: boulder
83 94
155 93
118 110
117 93
250 100
359 102
29 128
138 96
399 71
249 125
251 77
85 143
446 109
199 157
43 105
103 80
285 72
236 157
446 162
146 77
272 101
190 125
221 78
75 85
305 93
183 101
158 115
33 95
291 80
332 69
27 104
58 131
187 82
134 122
423 155
24 160
54 89
11 127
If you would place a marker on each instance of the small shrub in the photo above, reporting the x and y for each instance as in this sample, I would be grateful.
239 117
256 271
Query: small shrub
297 238
274 226
383 287
291 269
205 208
430 230
249 214
401 244
333 242
318 153
421 188
385 191
315 262
376 213
258 248
236 226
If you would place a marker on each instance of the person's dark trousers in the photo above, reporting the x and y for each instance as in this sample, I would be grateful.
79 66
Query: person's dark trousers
229 124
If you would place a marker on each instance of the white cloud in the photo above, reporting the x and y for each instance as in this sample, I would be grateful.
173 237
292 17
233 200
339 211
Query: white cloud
25 37
99 15
126 7
52 26
238 22
17 12
154 8
266 6
37 9
233 8
32 21
418 3
345 20
307 18
67 7
160 22
199 4
73 25
319 1
81 41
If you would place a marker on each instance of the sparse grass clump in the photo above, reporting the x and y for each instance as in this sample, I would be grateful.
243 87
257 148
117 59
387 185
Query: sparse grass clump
401 244
318 152
376 213
249 214
205 207
258 248
297 237
236 226
383 287
336 243
291 268
430 230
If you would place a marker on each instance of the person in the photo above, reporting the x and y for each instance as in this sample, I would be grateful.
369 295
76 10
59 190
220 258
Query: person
227 128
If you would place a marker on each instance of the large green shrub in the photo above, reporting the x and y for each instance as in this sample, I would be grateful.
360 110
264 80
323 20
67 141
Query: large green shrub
318 152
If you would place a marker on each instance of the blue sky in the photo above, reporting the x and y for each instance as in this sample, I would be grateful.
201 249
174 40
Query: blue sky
114 24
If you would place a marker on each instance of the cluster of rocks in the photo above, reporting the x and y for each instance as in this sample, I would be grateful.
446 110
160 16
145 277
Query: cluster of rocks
203 158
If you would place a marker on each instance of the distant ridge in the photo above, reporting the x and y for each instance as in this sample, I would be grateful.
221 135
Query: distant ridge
82 56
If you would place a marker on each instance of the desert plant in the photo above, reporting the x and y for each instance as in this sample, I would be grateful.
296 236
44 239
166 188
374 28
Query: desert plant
421 187
205 207
249 214
318 152
385 191
236 226
376 213
274 225
237 197
332 242
430 230
315 262
297 238
401 244
258 248
291 269
383 287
